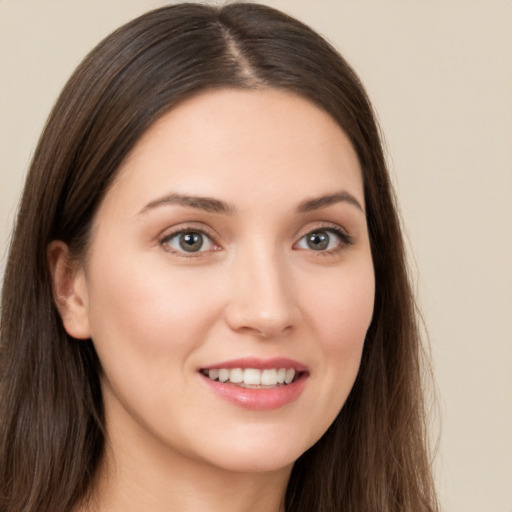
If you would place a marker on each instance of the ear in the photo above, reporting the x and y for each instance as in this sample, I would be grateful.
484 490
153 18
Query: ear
69 290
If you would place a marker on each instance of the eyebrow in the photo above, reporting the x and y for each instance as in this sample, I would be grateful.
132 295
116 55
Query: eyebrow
207 204
211 205
324 201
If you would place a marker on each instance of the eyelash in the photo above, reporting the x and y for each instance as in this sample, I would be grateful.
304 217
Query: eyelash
346 240
182 231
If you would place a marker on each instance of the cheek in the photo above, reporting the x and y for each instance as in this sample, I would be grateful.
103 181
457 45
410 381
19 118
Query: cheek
145 310
340 312
341 308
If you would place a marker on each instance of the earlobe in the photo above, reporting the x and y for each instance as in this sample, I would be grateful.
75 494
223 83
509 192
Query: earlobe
69 290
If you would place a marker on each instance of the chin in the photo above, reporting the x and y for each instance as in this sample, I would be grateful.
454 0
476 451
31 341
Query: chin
258 462
261 454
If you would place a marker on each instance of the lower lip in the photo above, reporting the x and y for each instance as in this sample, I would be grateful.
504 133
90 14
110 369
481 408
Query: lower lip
262 399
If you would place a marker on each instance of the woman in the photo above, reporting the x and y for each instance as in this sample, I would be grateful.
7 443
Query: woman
206 301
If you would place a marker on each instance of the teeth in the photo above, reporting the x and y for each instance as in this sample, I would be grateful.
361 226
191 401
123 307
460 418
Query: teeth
269 377
236 375
252 377
290 374
223 375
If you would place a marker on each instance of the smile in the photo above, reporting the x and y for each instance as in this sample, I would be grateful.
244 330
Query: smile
253 377
255 383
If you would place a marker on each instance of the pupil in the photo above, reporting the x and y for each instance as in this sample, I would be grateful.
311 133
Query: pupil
318 241
191 242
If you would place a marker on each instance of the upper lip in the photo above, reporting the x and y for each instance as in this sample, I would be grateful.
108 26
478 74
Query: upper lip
259 363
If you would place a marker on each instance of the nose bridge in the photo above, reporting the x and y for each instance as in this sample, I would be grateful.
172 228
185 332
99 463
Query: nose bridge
262 299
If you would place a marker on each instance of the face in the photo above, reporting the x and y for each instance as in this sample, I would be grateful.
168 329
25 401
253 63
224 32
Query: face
229 284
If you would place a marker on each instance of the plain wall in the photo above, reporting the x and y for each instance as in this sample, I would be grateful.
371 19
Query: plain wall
440 76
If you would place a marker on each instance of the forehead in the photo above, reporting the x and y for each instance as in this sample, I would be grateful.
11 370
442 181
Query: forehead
233 143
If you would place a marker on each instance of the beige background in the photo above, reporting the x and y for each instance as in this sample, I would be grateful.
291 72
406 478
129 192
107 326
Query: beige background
440 75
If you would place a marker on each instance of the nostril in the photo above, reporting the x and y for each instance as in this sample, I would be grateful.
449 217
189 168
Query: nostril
268 330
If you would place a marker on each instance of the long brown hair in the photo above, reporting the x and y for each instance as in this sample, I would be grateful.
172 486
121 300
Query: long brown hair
373 458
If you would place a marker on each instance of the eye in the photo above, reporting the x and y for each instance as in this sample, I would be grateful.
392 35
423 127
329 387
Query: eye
324 240
189 241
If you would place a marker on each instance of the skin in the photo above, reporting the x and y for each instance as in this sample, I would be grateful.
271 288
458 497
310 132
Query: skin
158 314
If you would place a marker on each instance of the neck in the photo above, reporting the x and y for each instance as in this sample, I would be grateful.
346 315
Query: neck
186 486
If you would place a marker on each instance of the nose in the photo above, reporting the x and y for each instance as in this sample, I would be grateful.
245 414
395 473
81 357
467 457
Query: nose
262 299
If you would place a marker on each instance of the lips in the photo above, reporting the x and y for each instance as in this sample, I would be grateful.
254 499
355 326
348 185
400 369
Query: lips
257 384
